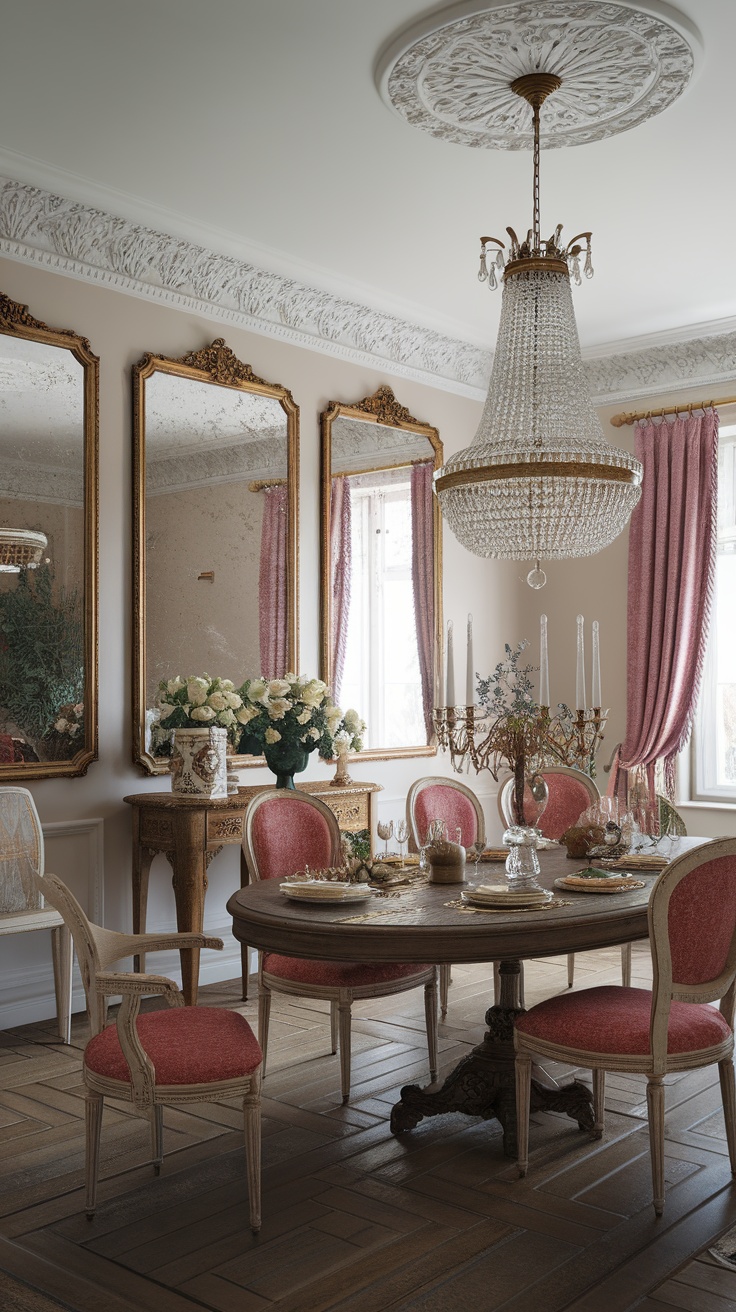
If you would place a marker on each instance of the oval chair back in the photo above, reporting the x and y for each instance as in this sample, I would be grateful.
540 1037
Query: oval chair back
439 798
570 793
286 831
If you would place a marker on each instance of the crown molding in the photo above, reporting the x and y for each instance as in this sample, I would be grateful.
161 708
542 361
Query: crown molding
40 227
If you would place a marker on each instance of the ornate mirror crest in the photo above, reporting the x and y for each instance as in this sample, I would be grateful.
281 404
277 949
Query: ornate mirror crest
381 570
215 515
49 387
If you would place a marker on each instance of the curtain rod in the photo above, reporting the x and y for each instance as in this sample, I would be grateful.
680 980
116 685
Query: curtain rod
687 408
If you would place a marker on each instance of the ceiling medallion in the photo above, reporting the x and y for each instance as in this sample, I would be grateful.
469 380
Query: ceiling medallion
619 65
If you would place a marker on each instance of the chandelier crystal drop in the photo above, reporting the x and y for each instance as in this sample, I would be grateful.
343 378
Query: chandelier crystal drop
539 481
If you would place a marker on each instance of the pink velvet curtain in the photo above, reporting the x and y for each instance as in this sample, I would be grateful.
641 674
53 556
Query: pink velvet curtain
672 551
272 590
341 567
422 576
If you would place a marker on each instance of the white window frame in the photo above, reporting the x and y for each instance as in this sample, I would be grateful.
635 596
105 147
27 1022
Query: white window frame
704 745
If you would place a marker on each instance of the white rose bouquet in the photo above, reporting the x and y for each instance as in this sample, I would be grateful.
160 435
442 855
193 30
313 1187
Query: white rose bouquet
197 702
295 711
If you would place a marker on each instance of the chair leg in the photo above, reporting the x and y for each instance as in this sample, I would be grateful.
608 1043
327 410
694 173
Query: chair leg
523 1071
570 969
333 1027
599 1102
264 1012
344 1005
728 1097
252 1127
61 952
157 1136
430 1015
655 1110
626 965
444 987
92 1124
244 969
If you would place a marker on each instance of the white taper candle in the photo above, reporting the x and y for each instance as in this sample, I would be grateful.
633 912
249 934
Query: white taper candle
450 682
543 663
580 668
596 674
470 667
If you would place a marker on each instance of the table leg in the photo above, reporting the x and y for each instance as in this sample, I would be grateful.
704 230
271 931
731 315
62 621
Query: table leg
189 881
142 861
483 1083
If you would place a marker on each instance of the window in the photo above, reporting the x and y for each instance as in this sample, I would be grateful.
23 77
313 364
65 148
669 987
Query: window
381 676
714 755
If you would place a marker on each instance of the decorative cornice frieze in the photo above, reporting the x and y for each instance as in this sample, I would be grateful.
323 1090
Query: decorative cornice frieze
42 228
39 227
649 371
54 485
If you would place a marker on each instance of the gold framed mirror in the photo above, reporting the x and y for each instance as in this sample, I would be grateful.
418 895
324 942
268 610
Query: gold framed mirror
215 455
381 570
49 388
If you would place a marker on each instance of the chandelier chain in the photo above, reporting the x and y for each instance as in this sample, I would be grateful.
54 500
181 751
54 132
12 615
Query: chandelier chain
536 221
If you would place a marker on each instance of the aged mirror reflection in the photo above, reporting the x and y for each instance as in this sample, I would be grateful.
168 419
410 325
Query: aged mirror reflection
48 537
215 529
382 570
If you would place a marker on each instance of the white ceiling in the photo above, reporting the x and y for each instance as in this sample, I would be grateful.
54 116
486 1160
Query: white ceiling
255 127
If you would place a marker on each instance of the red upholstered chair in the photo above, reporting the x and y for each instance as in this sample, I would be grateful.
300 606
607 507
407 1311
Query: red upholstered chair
177 1055
438 798
570 793
692 935
284 832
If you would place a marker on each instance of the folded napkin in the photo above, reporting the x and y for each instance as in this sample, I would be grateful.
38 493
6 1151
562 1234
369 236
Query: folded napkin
494 854
642 861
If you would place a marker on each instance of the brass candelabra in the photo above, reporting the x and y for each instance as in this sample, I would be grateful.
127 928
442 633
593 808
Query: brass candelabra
474 736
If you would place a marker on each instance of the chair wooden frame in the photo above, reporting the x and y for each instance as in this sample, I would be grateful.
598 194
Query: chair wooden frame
430 781
658 1062
98 949
504 811
29 913
340 998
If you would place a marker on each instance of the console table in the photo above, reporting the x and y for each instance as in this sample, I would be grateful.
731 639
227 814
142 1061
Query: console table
190 831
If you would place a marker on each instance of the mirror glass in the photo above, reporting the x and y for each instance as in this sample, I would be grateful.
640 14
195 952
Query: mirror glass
48 496
216 547
381 570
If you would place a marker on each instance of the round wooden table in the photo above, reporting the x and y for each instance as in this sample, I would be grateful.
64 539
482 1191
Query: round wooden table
424 923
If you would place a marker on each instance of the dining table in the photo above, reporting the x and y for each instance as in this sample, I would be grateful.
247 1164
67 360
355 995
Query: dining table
424 922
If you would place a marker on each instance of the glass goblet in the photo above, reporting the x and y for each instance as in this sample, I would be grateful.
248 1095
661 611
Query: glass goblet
402 833
385 831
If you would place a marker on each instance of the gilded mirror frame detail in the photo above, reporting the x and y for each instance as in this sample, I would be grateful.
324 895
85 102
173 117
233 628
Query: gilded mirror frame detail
216 364
383 408
16 321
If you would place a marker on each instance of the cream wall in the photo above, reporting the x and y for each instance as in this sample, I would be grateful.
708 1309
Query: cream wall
120 329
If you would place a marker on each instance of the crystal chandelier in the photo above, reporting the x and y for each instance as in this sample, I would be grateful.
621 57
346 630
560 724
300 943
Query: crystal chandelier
20 548
539 480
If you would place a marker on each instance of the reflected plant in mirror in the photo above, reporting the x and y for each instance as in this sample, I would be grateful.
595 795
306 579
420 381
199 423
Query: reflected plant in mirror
48 535
216 464
381 569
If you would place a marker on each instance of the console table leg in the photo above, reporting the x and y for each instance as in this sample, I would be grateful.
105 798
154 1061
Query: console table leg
483 1083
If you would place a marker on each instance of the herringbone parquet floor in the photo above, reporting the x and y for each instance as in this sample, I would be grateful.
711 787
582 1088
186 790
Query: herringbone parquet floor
356 1220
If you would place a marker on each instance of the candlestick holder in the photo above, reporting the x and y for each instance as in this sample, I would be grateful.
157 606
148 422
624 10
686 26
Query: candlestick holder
526 742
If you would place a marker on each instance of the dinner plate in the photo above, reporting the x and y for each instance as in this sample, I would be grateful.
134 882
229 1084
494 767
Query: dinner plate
506 898
599 885
303 893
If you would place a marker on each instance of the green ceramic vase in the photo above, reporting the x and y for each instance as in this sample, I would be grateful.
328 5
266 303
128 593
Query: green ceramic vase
286 760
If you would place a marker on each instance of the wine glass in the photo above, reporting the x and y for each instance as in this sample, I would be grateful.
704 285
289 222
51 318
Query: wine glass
476 849
402 833
385 831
